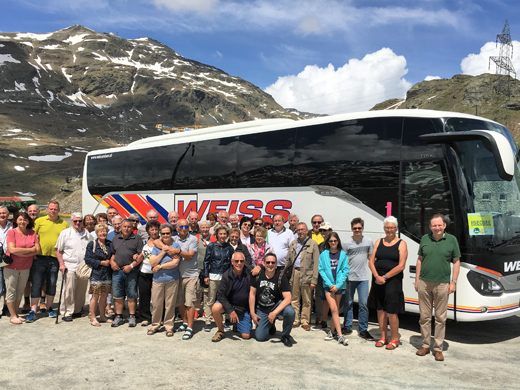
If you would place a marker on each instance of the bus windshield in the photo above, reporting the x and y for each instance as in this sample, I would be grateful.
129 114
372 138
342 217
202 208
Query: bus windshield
493 207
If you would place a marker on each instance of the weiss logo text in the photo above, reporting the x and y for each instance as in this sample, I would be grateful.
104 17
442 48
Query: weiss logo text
512 266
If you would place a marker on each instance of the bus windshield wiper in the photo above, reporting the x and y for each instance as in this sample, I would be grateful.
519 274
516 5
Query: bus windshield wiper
515 240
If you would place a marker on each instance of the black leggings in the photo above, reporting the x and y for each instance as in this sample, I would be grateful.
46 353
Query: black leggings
145 295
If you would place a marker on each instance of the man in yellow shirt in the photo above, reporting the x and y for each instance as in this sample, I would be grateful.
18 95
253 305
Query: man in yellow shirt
315 234
45 267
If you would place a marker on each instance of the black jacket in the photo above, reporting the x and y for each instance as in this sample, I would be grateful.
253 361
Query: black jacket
218 258
224 291
94 258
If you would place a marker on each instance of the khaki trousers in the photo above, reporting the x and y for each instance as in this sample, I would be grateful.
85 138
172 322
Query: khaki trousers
164 295
74 291
433 296
210 298
15 281
304 293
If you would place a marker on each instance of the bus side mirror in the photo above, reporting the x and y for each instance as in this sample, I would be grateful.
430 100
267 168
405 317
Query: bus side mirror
496 142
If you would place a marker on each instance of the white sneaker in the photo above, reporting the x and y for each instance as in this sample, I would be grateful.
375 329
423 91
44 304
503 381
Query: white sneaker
342 340
329 336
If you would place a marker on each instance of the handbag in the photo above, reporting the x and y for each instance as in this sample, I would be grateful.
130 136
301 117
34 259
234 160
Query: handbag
5 259
83 271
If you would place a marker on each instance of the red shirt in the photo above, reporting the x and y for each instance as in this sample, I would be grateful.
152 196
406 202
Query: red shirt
21 240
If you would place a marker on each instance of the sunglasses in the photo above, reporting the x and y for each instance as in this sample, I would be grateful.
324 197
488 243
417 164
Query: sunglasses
247 224
332 241
239 261
258 223
77 221
166 233
317 222
183 227
269 262
357 228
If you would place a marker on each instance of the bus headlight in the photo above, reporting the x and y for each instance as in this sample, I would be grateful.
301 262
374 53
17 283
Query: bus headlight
485 285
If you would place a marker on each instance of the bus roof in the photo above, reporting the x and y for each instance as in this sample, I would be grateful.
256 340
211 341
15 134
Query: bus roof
265 125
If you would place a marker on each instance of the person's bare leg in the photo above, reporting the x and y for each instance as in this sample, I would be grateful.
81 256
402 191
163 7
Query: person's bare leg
331 302
189 316
382 320
132 306
120 306
101 304
394 326
92 307
217 311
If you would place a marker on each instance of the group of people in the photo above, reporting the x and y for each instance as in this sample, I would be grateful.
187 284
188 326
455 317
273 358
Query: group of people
241 273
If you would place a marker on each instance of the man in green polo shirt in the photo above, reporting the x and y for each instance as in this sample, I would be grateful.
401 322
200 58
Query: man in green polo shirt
435 281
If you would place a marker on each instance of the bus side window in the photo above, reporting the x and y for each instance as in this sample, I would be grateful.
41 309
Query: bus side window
425 191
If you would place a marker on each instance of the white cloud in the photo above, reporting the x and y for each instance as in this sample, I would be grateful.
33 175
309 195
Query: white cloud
357 85
475 64
429 78
187 5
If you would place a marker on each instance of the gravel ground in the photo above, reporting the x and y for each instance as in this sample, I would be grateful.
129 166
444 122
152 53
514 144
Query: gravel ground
77 355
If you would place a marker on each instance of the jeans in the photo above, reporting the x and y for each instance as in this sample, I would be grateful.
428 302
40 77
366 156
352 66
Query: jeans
362 290
44 270
124 284
262 330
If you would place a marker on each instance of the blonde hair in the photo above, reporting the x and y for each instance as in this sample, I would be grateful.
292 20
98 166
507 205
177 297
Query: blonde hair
101 226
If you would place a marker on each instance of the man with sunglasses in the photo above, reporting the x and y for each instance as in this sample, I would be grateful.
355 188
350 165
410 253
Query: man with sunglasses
189 285
316 234
359 248
233 299
270 296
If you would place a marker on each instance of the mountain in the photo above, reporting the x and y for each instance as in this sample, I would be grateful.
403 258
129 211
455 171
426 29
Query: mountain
70 91
495 97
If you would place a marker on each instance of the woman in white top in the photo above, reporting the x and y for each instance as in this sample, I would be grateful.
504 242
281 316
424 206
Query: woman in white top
146 274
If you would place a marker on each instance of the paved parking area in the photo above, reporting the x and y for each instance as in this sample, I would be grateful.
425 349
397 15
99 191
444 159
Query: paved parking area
77 355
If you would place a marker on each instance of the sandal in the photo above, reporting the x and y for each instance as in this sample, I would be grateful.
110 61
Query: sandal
151 331
169 333
393 344
94 322
380 343
217 336
188 334
16 321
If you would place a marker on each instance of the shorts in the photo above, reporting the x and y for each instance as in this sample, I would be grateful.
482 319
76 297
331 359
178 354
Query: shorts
100 288
188 291
44 271
124 284
244 325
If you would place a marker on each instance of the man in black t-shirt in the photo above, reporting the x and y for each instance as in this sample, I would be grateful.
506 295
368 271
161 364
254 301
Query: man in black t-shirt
269 296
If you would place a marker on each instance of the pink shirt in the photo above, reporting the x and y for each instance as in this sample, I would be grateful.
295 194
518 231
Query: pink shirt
21 240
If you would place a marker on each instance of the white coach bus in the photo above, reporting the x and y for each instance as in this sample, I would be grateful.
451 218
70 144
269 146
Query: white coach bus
407 163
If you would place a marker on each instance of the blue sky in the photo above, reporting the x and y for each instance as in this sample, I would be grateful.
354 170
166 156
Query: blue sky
320 56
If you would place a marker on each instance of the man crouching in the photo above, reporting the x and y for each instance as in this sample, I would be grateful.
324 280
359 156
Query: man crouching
233 299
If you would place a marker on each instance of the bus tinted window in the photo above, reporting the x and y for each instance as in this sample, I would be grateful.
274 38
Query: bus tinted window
266 159
425 192
360 157
206 164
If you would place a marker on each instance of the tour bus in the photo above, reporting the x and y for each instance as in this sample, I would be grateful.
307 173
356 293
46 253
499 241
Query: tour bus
406 163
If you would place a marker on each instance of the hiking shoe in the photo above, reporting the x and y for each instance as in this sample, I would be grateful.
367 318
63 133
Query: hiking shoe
67 318
52 313
346 330
272 330
286 340
118 321
31 317
342 340
207 327
330 336
366 335
227 327
132 322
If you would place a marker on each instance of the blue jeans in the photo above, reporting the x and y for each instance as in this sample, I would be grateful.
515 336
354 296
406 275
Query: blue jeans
44 270
262 330
362 290
125 284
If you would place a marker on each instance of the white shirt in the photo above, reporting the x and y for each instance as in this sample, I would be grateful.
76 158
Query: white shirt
73 245
279 242
3 233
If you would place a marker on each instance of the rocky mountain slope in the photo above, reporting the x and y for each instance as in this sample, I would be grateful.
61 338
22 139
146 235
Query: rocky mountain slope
74 90
491 96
